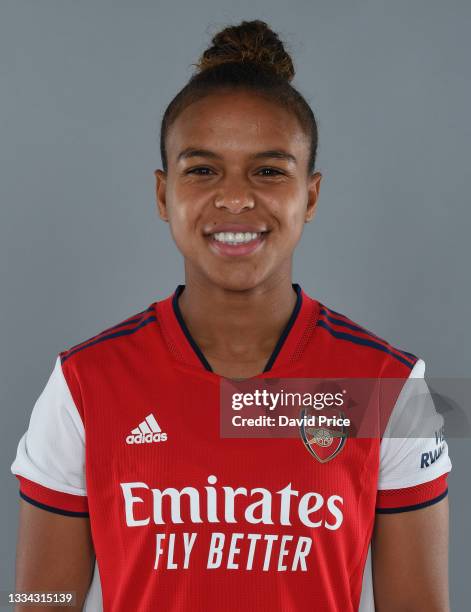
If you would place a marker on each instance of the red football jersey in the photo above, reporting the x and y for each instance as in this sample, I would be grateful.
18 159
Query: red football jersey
127 432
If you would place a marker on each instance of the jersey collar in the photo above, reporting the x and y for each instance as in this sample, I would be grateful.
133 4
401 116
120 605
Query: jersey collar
288 348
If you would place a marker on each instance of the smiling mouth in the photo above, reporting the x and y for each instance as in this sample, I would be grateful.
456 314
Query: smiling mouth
235 238
236 243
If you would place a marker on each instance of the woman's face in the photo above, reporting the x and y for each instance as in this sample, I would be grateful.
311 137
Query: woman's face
237 171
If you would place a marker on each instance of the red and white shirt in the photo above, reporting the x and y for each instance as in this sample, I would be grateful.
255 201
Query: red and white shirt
194 521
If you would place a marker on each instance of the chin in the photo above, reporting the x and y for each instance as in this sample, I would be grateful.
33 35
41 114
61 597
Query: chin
233 281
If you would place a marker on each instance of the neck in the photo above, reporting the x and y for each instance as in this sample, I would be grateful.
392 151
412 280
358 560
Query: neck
237 325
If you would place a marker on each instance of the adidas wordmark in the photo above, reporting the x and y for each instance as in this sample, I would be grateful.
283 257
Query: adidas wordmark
146 432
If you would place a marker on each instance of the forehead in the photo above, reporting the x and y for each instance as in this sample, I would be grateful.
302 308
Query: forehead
236 122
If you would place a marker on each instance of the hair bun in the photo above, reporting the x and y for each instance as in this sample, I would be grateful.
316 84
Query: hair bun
250 41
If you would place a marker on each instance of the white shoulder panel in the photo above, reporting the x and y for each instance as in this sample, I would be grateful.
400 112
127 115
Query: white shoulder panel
413 448
52 451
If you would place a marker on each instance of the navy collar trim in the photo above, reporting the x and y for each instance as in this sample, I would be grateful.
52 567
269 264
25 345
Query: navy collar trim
185 330
278 346
287 329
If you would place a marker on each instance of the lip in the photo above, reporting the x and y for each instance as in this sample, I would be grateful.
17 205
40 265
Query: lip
236 250
234 227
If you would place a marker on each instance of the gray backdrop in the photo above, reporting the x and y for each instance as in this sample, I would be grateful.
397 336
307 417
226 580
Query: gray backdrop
83 88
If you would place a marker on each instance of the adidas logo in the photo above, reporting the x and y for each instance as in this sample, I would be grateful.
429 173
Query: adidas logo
146 432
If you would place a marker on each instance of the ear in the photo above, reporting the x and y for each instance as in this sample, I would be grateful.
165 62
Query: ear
313 195
160 189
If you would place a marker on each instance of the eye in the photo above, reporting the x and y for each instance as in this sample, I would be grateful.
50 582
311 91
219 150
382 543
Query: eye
199 170
271 170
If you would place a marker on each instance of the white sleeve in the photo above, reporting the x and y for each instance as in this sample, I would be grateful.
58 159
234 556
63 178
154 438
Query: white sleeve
50 458
413 450
414 461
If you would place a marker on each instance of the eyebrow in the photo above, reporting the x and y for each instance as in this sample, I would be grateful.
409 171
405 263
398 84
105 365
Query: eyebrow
274 153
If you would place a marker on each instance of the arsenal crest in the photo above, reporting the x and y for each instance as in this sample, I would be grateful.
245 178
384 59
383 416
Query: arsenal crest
324 443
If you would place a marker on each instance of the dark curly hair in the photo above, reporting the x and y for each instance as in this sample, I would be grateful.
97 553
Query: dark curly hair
248 56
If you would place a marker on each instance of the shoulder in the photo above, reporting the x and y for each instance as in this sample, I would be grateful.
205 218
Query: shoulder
355 341
118 338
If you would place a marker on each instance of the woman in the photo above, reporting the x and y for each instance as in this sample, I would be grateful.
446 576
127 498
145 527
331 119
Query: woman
124 458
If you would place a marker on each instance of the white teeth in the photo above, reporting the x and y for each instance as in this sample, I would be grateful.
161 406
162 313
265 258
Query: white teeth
235 238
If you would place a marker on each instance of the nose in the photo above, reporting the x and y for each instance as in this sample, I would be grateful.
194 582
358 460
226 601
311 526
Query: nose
234 200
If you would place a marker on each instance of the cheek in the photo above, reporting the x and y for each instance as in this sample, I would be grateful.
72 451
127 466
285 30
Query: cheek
290 216
185 206
179 219
183 220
